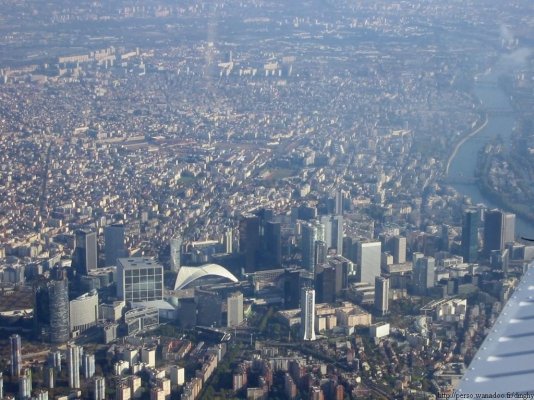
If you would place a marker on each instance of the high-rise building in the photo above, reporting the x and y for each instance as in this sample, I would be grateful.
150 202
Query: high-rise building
509 228
321 252
312 231
423 274
500 259
332 278
187 312
272 238
136 388
307 314
73 365
114 244
235 309
337 234
260 241
123 391
16 355
51 309
84 311
157 394
228 241
176 253
88 365
368 257
416 256
1 385
493 231
399 249
50 377
99 388
148 356
58 294
343 267
303 212
53 360
446 233
85 255
139 279
340 199
333 226
177 375
249 241
499 229
382 295
209 308
292 281
471 222
348 248
25 384
325 283
309 236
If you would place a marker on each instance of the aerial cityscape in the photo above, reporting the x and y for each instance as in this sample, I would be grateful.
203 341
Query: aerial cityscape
266 199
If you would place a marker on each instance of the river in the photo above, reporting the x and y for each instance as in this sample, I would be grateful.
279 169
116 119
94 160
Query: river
463 164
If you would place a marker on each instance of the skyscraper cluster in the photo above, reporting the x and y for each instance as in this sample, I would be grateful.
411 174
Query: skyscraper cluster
498 231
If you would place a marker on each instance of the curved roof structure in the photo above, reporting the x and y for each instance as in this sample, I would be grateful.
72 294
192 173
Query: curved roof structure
187 275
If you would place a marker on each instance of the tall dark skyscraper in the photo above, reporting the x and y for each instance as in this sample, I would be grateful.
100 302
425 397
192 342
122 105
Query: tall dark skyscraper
85 253
209 308
325 284
260 241
16 355
331 279
471 222
340 199
249 240
292 284
499 229
272 238
348 248
114 244
51 310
